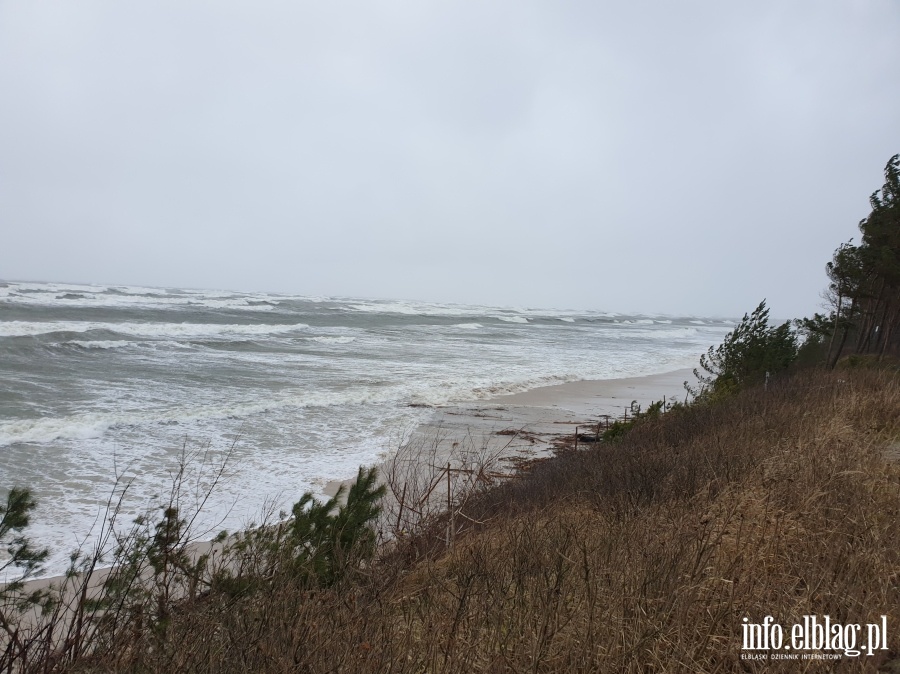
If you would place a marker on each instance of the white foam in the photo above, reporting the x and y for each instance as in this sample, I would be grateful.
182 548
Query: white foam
134 301
412 308
409 308
559 314
468 326
97 344
139 290
334 340
57 287
434 389
676 333
176 330
73 295
94 424
46 430
513 315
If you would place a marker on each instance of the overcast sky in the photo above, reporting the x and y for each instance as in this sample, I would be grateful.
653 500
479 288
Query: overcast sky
678 157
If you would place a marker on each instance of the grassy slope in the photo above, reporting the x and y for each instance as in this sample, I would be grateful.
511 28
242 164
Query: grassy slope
639 556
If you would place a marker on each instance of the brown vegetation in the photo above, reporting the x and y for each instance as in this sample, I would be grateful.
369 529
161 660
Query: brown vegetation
642 555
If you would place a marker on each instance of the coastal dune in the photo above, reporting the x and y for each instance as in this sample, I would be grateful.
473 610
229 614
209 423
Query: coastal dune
643 551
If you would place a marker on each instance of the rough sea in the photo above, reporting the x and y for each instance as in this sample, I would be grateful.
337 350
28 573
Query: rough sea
99 383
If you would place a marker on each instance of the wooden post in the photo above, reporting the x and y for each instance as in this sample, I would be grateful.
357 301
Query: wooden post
449 509
400 510
576 438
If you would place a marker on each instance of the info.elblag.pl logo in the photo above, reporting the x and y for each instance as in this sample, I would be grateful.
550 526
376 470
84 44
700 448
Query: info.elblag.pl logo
813 637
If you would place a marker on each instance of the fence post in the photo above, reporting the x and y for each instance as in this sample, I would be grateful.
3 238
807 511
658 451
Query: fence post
449 508
400 509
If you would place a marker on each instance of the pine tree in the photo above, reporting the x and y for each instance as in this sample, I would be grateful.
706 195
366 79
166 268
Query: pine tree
749 353
881 258
325 542
864 280
21 559
846 290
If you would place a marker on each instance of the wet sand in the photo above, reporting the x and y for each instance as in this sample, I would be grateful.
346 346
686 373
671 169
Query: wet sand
526 424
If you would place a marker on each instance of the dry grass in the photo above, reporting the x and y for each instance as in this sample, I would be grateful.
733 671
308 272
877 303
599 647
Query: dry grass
642 556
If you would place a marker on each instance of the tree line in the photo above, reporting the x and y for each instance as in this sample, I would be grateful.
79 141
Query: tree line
863 294
862 302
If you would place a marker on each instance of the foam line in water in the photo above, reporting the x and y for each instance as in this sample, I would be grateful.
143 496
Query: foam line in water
172 330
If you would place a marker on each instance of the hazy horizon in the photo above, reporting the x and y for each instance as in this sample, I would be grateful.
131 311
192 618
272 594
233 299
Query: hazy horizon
646 158
398 300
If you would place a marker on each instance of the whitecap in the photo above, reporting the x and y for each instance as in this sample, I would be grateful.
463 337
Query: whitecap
677 333
333 340
97 344
49 429
409 308
172 330
138 301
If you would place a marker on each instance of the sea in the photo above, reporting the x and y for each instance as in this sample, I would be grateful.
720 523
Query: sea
105 389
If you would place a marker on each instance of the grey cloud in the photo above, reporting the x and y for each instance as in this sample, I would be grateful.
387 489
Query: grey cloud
681 157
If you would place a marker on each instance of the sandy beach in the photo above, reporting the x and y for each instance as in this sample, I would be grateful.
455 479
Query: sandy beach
508 427
525 425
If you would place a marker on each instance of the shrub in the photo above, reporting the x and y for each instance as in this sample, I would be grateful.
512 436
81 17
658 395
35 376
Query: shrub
22 559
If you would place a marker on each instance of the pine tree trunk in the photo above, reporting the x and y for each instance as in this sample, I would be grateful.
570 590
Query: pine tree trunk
872 321
878 315
837 322
846 329
864 328
879 327
887 336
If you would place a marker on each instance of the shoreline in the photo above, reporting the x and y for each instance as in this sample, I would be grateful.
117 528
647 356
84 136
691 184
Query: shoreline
671 526
508 427
527 423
